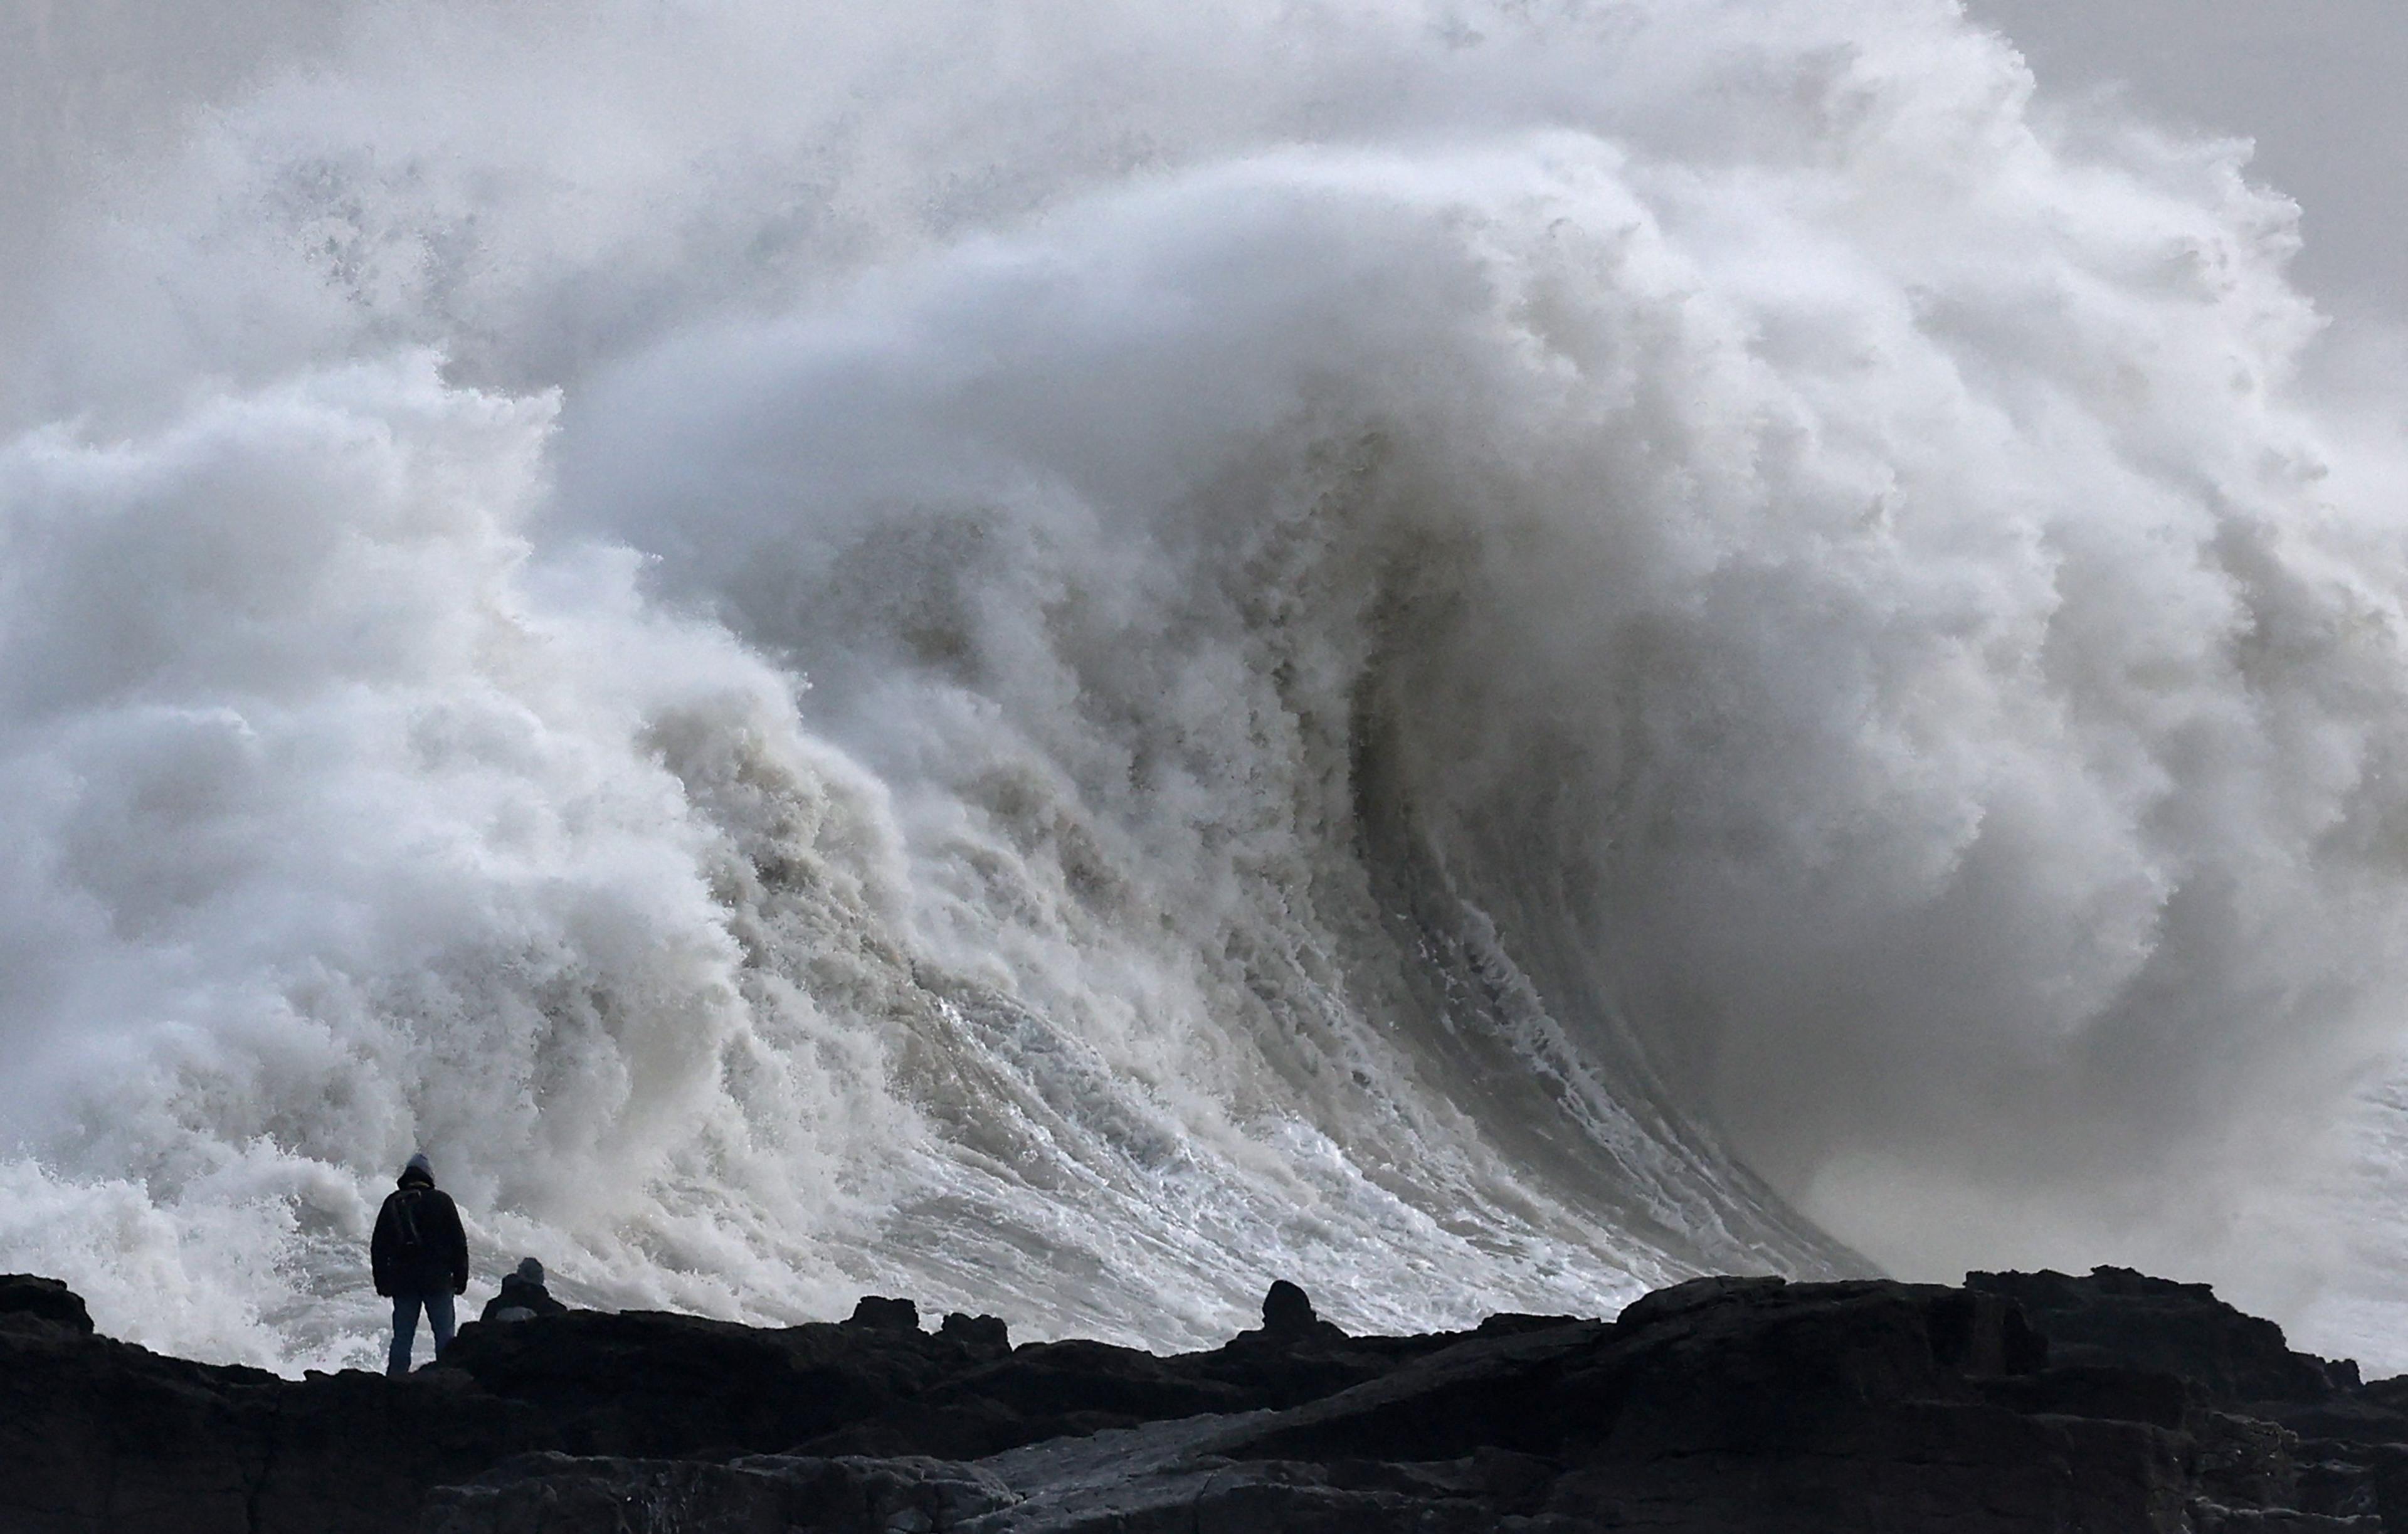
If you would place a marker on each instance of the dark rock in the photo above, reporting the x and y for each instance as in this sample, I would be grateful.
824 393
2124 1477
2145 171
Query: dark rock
883 1314
1052 1389
1289 1324
1697 1293
555 1491
646 1384
2118 1316
26 1297
1471 1393
97 1436
2387 1466
2339 1488
2359 1418
1287 1311
1507 1323
1040 1390
2097 1390
984 1336
1713 1407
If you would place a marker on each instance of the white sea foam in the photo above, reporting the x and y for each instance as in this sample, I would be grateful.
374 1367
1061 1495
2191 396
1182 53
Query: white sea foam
1063 659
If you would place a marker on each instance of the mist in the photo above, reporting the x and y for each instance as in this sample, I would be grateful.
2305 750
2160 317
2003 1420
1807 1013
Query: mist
1053 658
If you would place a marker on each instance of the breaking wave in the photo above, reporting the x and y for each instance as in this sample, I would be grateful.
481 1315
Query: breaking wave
1061 659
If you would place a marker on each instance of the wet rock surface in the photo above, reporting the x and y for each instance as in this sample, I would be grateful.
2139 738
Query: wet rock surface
2104 1402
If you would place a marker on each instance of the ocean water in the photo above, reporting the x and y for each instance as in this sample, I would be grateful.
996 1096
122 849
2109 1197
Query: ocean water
1065 657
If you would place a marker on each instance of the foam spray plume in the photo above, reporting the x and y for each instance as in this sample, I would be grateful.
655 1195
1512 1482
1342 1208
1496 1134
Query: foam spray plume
1061 659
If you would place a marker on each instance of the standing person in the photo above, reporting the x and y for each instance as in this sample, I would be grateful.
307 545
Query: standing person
420 1257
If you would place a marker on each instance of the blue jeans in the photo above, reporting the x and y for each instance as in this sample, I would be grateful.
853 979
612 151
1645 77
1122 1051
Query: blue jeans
405 1324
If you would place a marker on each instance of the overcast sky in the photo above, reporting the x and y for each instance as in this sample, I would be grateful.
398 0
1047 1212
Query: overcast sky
2320 85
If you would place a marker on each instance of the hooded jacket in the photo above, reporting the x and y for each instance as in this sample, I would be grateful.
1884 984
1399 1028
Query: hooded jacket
418 1247
518 1294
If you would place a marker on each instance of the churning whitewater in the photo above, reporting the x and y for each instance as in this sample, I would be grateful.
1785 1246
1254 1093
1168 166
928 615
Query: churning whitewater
1062 657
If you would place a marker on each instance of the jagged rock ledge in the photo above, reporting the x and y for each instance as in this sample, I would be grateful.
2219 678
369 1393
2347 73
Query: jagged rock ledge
2112 1404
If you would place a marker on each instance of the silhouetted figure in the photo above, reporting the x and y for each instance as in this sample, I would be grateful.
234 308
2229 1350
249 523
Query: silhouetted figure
420 1258
523 1296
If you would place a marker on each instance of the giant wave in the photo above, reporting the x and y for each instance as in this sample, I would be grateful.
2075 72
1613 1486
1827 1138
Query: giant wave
1061 658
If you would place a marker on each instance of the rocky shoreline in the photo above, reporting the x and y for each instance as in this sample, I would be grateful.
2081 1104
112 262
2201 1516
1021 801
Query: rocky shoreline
2112 1402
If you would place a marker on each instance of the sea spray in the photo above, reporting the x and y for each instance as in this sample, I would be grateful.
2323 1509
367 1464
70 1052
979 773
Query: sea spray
1058 658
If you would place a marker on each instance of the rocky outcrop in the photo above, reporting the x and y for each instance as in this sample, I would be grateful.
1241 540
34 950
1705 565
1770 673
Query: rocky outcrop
27 1300
2020 1402
2118 1316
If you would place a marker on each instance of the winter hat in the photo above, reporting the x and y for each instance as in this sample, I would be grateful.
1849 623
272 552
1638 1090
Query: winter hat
530 1270
418 1163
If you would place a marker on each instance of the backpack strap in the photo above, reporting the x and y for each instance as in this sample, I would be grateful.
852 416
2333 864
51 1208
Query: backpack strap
406 1213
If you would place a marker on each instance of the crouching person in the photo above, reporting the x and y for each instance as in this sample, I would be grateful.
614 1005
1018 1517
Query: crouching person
523 1296
420 1258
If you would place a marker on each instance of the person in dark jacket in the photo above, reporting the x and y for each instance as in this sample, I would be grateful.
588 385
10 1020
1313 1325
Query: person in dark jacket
523 1296
420 1257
